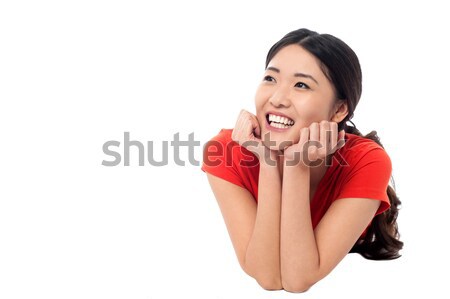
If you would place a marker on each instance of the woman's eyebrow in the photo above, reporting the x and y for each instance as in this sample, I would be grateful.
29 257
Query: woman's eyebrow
295 75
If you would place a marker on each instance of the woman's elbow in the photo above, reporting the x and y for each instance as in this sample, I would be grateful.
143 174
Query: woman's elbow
270 284
298 286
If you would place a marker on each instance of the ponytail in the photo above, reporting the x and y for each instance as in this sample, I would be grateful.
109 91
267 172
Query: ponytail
382 237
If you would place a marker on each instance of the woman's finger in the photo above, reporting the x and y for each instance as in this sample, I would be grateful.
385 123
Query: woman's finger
334 136
314 133
239 121
247 128
341 141
304 138
325 136
255 126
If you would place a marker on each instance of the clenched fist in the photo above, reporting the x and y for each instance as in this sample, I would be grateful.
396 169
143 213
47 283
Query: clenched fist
317 141
247 133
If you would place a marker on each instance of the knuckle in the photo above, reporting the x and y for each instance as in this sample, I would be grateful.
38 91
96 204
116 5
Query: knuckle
312 150
322 152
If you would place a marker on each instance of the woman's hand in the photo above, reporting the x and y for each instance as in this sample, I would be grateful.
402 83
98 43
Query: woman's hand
247 132
316 142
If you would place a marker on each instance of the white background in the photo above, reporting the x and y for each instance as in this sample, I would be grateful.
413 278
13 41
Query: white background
75 74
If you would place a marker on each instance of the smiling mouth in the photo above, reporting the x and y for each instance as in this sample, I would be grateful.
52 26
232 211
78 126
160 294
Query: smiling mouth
279 122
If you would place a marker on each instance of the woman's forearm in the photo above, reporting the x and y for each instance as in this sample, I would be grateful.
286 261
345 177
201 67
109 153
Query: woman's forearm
262 259
299 256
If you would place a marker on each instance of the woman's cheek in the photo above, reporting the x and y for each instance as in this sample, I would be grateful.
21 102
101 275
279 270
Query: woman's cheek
259 96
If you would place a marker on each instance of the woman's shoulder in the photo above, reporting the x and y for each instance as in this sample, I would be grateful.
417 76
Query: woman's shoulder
221 151
358 149
224 136
223 144
360 144
221 141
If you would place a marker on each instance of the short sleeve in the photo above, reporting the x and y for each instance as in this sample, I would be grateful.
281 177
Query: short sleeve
369 178
221 158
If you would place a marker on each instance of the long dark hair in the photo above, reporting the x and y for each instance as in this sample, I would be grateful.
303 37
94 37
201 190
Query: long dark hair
341 66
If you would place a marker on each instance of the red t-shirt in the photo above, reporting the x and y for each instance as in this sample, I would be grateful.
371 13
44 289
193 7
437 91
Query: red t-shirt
361 168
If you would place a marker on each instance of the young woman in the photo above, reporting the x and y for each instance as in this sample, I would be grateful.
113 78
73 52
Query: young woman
298 188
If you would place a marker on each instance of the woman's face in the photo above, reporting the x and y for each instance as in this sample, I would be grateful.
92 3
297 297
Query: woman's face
294 93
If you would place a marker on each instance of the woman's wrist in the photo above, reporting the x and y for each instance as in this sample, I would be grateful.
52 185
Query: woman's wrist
269 162
295 165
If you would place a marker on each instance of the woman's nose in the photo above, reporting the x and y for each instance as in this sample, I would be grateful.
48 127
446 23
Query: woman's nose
280 98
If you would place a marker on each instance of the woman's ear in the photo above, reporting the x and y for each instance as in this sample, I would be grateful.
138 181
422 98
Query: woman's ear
340 110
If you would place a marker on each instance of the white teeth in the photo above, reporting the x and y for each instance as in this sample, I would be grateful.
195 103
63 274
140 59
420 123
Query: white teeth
280 119
279 126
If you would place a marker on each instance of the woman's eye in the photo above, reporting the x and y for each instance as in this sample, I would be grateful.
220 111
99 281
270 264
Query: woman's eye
302 85
268 78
